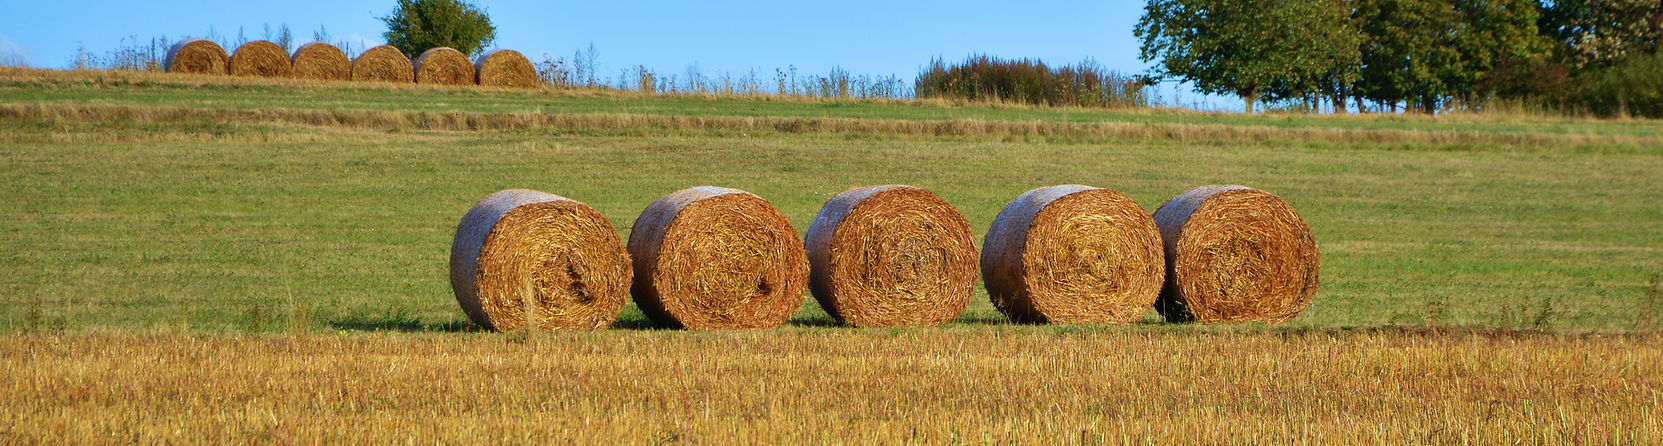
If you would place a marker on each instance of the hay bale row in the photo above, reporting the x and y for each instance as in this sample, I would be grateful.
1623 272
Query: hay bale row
891 255
716 258
719 258
1073 255
522 255
1235 254
322 61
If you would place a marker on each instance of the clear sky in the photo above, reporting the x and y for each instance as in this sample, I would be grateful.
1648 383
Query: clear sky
870 37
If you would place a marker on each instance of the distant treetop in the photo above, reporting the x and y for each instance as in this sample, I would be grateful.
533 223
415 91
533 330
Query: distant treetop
419 25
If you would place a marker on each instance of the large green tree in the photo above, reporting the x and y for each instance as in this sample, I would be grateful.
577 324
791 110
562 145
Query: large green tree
1600 33
419 25
1255 49
1423 53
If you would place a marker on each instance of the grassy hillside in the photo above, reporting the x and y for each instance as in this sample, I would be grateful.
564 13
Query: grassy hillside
205 259
136 201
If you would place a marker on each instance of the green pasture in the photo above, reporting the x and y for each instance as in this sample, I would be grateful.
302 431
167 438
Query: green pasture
243 225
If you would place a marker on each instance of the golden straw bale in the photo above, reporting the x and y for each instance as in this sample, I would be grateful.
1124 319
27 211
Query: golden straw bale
444 66
261 58
716 258
519 247
198 56
321 61
891 255
506 68
1235 254
1073 255
384 63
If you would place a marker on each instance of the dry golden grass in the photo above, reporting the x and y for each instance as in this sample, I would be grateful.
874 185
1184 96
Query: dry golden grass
853 386
397 120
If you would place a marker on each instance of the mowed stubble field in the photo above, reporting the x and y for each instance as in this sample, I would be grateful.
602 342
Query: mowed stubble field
191 258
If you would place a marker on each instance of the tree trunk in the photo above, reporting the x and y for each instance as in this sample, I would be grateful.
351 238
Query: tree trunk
1248 99
1339 105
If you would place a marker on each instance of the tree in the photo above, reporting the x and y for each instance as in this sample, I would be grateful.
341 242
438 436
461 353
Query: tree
1422 53
1255 49
1600 33
419 25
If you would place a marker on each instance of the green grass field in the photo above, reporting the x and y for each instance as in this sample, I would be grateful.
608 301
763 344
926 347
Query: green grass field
150 220
217 223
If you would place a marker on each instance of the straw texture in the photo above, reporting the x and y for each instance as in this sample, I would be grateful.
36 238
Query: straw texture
198 56
1235 254
261 58
506 68
384 63
321 61
891 255
1073 254
444 66
524 255
716 258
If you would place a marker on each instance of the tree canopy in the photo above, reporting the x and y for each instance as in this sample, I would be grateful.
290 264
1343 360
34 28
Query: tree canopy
419 25
1256 49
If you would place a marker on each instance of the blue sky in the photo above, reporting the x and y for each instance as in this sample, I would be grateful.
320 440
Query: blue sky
862 36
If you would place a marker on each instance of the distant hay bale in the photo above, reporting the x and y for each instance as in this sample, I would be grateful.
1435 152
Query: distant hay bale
522 246
198 56
891 255
384 63
1235 254
716 258
261 58
506 68
321 61
1073 255
444 66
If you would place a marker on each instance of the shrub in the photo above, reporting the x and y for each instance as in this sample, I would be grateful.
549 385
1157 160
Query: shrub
1030 81
1630 88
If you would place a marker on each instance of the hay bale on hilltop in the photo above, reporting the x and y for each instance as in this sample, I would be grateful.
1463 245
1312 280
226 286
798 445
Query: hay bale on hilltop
1235 254
197 56
524 255
716 258
891 255
321 61
506 68
261 58
444 66
384 63
1073 255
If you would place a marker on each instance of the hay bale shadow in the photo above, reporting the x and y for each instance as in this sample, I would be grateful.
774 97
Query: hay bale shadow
400 322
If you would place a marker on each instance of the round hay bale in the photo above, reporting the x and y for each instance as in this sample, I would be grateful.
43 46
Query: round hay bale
198 56
321 61
1235 254
261 58
444 66
506 68
1073 255
384 63
891 255
522 246
716 258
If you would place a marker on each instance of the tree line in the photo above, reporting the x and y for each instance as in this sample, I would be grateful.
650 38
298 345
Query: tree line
1597 56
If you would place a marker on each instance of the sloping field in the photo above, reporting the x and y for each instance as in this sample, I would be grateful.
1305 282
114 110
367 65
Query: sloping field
198 258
